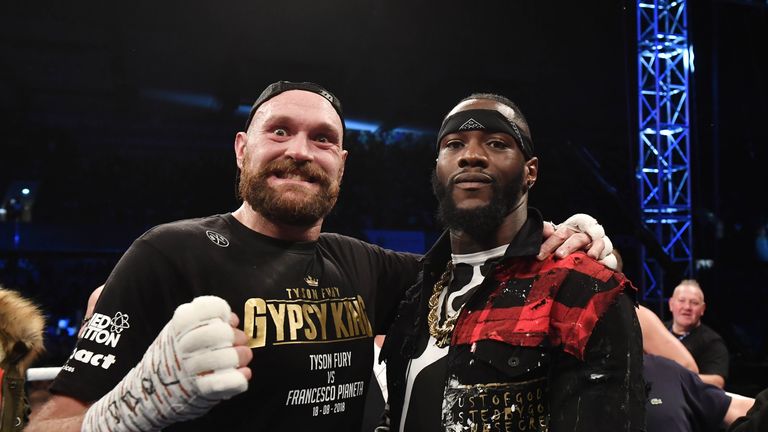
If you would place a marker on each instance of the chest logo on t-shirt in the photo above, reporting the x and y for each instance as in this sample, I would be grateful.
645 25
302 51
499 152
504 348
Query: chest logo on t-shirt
217 239
308 315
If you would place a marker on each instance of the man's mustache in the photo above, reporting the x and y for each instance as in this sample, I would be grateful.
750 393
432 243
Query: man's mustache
471 176
288 167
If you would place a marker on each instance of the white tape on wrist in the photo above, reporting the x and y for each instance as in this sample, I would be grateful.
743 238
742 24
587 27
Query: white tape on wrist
585 223
188 369
610 261
607 248
581 222
595 231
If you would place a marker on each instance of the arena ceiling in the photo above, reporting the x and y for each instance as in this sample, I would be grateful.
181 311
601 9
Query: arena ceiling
93 66
172 73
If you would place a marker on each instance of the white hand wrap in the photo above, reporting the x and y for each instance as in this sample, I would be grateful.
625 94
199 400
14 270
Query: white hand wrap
585 223
189 368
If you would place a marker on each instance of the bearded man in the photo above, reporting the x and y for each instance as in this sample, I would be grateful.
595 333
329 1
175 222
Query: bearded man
490 338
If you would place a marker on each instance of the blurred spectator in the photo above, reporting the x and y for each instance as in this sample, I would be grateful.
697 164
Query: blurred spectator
707 347
37 391
679 401
21 343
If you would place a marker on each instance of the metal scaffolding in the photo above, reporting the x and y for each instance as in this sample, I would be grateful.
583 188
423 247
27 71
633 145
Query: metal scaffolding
663 172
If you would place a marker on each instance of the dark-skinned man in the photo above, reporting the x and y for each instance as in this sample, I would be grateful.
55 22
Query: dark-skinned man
490 338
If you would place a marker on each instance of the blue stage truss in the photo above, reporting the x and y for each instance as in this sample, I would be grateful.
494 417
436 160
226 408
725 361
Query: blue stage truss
663 172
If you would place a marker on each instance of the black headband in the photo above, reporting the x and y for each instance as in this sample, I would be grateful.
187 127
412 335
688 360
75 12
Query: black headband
276 88
487 120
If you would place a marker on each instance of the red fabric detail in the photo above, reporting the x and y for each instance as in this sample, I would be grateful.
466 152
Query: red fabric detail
2 372
542 320
528 268
571 327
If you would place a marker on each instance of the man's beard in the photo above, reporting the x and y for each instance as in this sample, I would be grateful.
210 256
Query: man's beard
283 206
481 223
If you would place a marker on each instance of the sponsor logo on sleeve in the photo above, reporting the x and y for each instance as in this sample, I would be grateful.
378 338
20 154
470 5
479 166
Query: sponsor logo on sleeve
105 330
89 358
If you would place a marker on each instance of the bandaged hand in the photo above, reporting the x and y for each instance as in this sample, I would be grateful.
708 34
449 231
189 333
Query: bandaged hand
196 361
578 232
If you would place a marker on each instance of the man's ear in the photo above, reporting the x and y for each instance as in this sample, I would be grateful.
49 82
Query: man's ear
241 139
344 155
531 171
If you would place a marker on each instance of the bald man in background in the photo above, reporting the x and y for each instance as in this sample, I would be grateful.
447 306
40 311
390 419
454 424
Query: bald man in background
707 347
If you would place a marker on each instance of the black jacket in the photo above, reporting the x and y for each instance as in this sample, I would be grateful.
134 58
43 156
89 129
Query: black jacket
604 391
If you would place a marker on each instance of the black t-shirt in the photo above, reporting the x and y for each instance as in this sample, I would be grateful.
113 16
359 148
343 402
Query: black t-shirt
678 400
310 311
707 348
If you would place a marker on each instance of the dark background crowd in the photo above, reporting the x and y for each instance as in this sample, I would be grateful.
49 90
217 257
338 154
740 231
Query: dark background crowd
118 118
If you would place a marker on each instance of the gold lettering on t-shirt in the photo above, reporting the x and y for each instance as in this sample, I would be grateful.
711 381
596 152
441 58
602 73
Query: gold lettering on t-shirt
312 293
359 323
341 329
277 311
295 319
301 320
255 322
311 332
321 310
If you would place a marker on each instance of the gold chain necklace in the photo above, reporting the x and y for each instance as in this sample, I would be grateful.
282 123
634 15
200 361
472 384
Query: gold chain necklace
441 333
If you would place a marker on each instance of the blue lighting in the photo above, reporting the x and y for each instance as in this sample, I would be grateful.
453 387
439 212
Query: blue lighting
63 323
198 100
664 131
363 126
201 100
690 59
665 62
413 130
243 110
351 124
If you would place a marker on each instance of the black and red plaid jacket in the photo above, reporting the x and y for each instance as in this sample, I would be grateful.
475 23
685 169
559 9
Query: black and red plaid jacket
575 309
562 306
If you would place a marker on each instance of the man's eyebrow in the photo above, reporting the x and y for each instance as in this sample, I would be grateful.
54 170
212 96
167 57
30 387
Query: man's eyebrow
327 128
279 119
323 126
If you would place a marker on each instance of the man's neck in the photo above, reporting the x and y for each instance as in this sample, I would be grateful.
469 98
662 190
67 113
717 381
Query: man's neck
463 243
681 330
255 221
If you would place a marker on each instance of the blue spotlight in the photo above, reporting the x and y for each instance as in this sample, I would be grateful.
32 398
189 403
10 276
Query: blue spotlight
362 126
197 100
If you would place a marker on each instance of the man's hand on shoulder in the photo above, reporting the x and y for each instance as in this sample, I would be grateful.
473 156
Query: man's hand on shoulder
578 232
